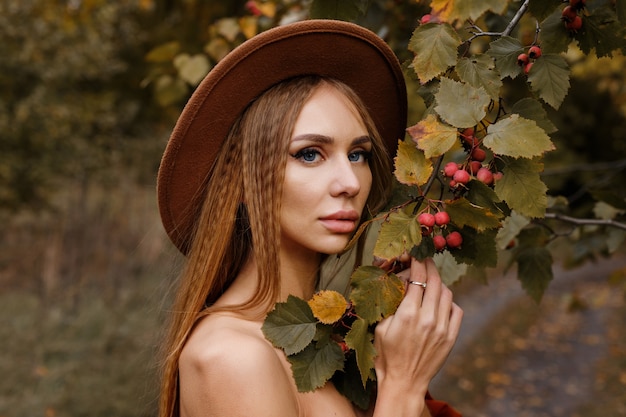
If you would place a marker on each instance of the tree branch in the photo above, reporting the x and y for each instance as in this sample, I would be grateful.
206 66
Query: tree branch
518 16
580 222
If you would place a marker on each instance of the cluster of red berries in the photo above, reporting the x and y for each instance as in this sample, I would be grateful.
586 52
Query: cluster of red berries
461 174
571 15
526 60
428 221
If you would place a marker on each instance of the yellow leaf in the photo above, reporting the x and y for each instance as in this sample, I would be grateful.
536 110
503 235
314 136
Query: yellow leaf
442 8
267 9
328 306
411 167
433 137
248 25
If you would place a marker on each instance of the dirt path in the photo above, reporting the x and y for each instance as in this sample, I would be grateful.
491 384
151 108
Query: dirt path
514 358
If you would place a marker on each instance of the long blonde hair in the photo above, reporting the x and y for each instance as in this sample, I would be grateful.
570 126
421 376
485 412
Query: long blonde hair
239 217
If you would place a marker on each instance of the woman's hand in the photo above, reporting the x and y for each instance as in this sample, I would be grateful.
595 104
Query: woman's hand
414 343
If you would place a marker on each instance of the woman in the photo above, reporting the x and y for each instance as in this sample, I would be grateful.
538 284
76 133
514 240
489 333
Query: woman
276 159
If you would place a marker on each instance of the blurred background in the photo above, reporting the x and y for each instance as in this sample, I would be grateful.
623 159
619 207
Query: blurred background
89 92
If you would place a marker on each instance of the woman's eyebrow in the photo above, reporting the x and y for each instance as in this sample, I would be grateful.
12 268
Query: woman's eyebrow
361 140
323 139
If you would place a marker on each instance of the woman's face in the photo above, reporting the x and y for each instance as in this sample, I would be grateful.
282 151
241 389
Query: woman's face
327 177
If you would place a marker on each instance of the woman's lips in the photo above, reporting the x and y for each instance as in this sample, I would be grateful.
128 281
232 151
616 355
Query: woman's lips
344 221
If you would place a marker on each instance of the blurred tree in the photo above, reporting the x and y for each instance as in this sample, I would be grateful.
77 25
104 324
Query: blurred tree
70 100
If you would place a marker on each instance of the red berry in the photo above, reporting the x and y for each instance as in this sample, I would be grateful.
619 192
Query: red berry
450 168
574 25
440 242
473 167
344 347
568 14
468 136
253 8
522 59
468 131
442 218
425 19
461 176
527 68
454 240
452 184
497 176
534 52
426 219
478 154
485 176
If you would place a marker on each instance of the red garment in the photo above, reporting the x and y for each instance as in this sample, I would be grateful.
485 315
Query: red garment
440 408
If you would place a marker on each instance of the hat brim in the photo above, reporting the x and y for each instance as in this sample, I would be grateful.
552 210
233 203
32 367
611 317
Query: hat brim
328 48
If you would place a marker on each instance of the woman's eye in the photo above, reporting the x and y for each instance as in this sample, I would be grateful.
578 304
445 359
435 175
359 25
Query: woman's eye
359 156
307 155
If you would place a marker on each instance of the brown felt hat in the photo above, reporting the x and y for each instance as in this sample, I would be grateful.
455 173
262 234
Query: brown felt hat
329 48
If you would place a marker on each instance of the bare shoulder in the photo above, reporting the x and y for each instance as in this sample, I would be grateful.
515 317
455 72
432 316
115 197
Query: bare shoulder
227 368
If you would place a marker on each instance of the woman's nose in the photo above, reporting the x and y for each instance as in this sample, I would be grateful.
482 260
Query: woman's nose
345 179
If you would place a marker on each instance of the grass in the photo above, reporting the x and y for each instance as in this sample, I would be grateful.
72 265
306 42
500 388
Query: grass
81 307
94 360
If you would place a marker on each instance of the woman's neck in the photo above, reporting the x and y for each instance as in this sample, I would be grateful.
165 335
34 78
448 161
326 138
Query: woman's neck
298 275
299 271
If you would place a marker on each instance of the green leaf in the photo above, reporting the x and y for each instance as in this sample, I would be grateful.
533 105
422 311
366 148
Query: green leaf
532 109
478 248
460 104
163 53
451 271
483 196
426 249
348 383
411 166
313 367
290 326
192 69
450 10
511 226
603 210
475 9
534 262
398 234
464 213
521 186
505 51
360 339
517 137
347 10
479 71
602 33
615 239
433 137
228 27
169 90
542 8
549 78
435 47
554 38
375 293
